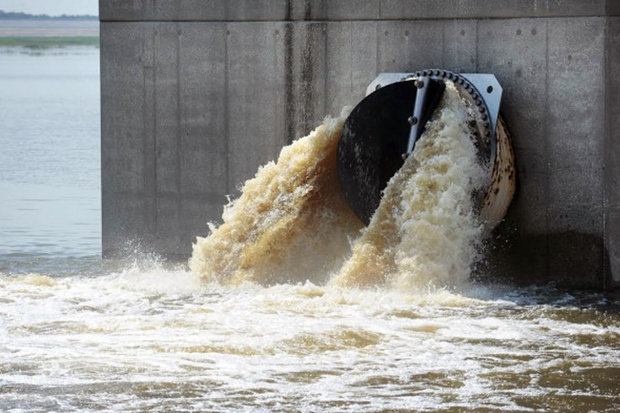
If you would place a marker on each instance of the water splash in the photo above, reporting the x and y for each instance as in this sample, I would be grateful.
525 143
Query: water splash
292 223
425 231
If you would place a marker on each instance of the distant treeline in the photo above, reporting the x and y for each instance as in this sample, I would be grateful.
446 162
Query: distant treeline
25 16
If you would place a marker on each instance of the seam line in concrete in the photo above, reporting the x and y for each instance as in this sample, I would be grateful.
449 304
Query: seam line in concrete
606 139
351 63
555 16
546 181
179 133
377 48
325 72
154 115
288 84
168 195
477 49
226 110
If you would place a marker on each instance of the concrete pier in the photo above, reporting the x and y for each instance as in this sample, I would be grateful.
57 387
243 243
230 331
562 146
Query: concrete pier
196 94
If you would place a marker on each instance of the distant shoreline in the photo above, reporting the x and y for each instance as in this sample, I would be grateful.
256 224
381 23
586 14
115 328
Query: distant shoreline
25 16
44 32
50 33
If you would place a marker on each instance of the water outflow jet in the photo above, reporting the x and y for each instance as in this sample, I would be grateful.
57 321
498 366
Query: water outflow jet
293 221
383 128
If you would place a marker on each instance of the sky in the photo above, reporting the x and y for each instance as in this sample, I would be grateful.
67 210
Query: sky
51 7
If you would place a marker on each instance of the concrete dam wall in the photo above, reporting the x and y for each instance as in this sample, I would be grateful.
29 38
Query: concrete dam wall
196 95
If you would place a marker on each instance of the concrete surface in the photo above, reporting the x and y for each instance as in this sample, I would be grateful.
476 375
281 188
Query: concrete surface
346 10
197 94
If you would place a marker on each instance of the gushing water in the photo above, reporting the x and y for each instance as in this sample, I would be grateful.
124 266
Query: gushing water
291 222
425 231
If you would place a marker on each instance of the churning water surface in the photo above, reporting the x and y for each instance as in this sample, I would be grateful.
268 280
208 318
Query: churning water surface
79 334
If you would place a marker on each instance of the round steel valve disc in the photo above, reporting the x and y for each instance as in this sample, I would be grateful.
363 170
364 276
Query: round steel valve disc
372 142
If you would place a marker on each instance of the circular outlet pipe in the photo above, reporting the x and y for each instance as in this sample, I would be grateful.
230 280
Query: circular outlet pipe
381 131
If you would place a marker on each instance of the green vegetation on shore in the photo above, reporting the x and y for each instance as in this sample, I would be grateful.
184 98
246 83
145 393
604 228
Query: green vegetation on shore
45 42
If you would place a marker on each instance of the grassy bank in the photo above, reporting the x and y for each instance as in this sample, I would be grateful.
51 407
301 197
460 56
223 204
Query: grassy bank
49 41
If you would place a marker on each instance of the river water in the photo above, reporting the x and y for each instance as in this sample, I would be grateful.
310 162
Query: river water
79 334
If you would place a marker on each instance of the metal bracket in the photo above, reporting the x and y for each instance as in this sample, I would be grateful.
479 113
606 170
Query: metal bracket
428 95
